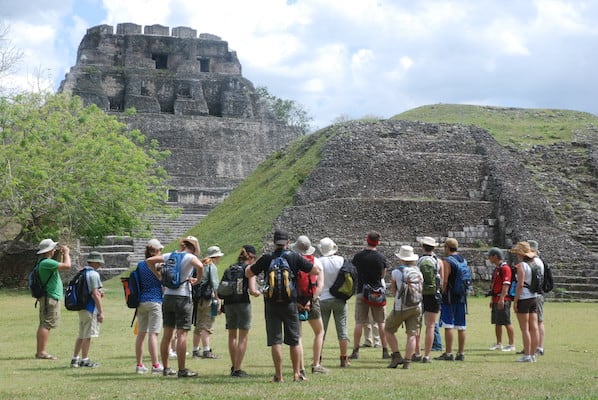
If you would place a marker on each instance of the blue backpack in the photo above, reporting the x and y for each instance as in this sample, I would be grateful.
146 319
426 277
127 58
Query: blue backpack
462 283
171 271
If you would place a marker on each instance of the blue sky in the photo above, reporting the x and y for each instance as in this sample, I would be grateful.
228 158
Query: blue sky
353 58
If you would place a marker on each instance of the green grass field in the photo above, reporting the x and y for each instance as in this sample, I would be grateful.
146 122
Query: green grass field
569 370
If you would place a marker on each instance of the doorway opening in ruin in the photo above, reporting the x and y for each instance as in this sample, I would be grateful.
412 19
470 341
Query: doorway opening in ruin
204 64
116 104
161 60
173 196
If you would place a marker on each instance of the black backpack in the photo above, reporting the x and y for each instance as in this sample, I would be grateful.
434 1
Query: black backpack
233 285
548 282
35 284
77 294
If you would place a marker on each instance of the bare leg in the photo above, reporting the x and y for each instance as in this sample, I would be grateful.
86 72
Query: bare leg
276 350
165 345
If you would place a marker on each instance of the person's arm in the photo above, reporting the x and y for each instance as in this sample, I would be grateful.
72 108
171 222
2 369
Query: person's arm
252 286
65 263
96 295
199 268
393 285
520 279
153 261
446 271
320 281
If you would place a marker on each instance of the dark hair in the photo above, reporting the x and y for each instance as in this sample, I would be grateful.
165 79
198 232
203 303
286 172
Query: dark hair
427 247
149 251
247 253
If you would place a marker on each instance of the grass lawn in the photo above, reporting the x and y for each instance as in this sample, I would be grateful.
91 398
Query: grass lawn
568 370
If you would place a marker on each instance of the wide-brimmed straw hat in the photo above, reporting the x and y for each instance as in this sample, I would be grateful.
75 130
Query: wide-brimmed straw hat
406 254
523 249
303 245
327 247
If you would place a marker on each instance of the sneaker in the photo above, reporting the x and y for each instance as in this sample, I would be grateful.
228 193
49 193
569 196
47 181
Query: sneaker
172 354
426 360
354 355
319 369
302 373
540 351
367 345
196 354
445 357
525 359
416 357
75 363
157 369
239 374
186 373
520 352
496 347
460 357
509 347
88 363
209 354
141 369
168 372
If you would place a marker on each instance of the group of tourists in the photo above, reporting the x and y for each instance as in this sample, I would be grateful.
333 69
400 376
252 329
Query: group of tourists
427 288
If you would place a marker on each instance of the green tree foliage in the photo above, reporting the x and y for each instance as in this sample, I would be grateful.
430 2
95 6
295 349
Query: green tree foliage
72 171
288 111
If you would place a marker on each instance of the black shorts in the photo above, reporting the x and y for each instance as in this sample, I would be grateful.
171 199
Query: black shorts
431 303
501 317
279 316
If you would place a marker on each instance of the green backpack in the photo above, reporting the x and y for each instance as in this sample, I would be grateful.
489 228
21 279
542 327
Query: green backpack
428 266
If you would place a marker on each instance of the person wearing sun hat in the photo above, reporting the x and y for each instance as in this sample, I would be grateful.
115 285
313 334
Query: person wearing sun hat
431 301
92 315
405 272
312 306
204 318
533 244
177 306
331 264
525 303
49 309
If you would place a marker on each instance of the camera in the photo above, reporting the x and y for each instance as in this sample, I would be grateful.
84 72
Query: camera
57 247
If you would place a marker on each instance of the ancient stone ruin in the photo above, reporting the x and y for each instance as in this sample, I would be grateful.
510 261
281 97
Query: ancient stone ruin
189 95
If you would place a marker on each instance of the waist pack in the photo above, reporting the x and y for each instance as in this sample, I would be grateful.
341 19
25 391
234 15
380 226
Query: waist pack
374 296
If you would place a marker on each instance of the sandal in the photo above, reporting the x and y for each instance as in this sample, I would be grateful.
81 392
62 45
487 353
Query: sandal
46 356
276 379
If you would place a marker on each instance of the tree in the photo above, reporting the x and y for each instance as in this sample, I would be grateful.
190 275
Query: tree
288 111
10 56
70 171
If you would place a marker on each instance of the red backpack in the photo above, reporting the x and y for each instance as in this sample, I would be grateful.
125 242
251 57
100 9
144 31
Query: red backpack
306 284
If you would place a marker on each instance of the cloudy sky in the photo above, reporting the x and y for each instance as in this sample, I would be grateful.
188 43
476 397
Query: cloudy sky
354 58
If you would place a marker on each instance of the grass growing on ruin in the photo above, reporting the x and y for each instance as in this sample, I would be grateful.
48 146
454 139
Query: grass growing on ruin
246 216
568 370
509 126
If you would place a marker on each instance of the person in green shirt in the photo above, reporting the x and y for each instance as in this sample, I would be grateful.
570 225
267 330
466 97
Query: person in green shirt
49 310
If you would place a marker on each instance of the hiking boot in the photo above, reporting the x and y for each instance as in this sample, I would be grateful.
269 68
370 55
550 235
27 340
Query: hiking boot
445 357
196 354
385 354
318 369
168 372
209 354
88 363
354 355
157 369
75 363
508 347
460 357
396 360
495 347
416 358
426 360
141 369
186 373
406 364
345 362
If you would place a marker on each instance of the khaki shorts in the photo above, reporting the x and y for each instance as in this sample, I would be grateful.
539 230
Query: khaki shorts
49 312
149 317
411 318
88 325
203 317
362 310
